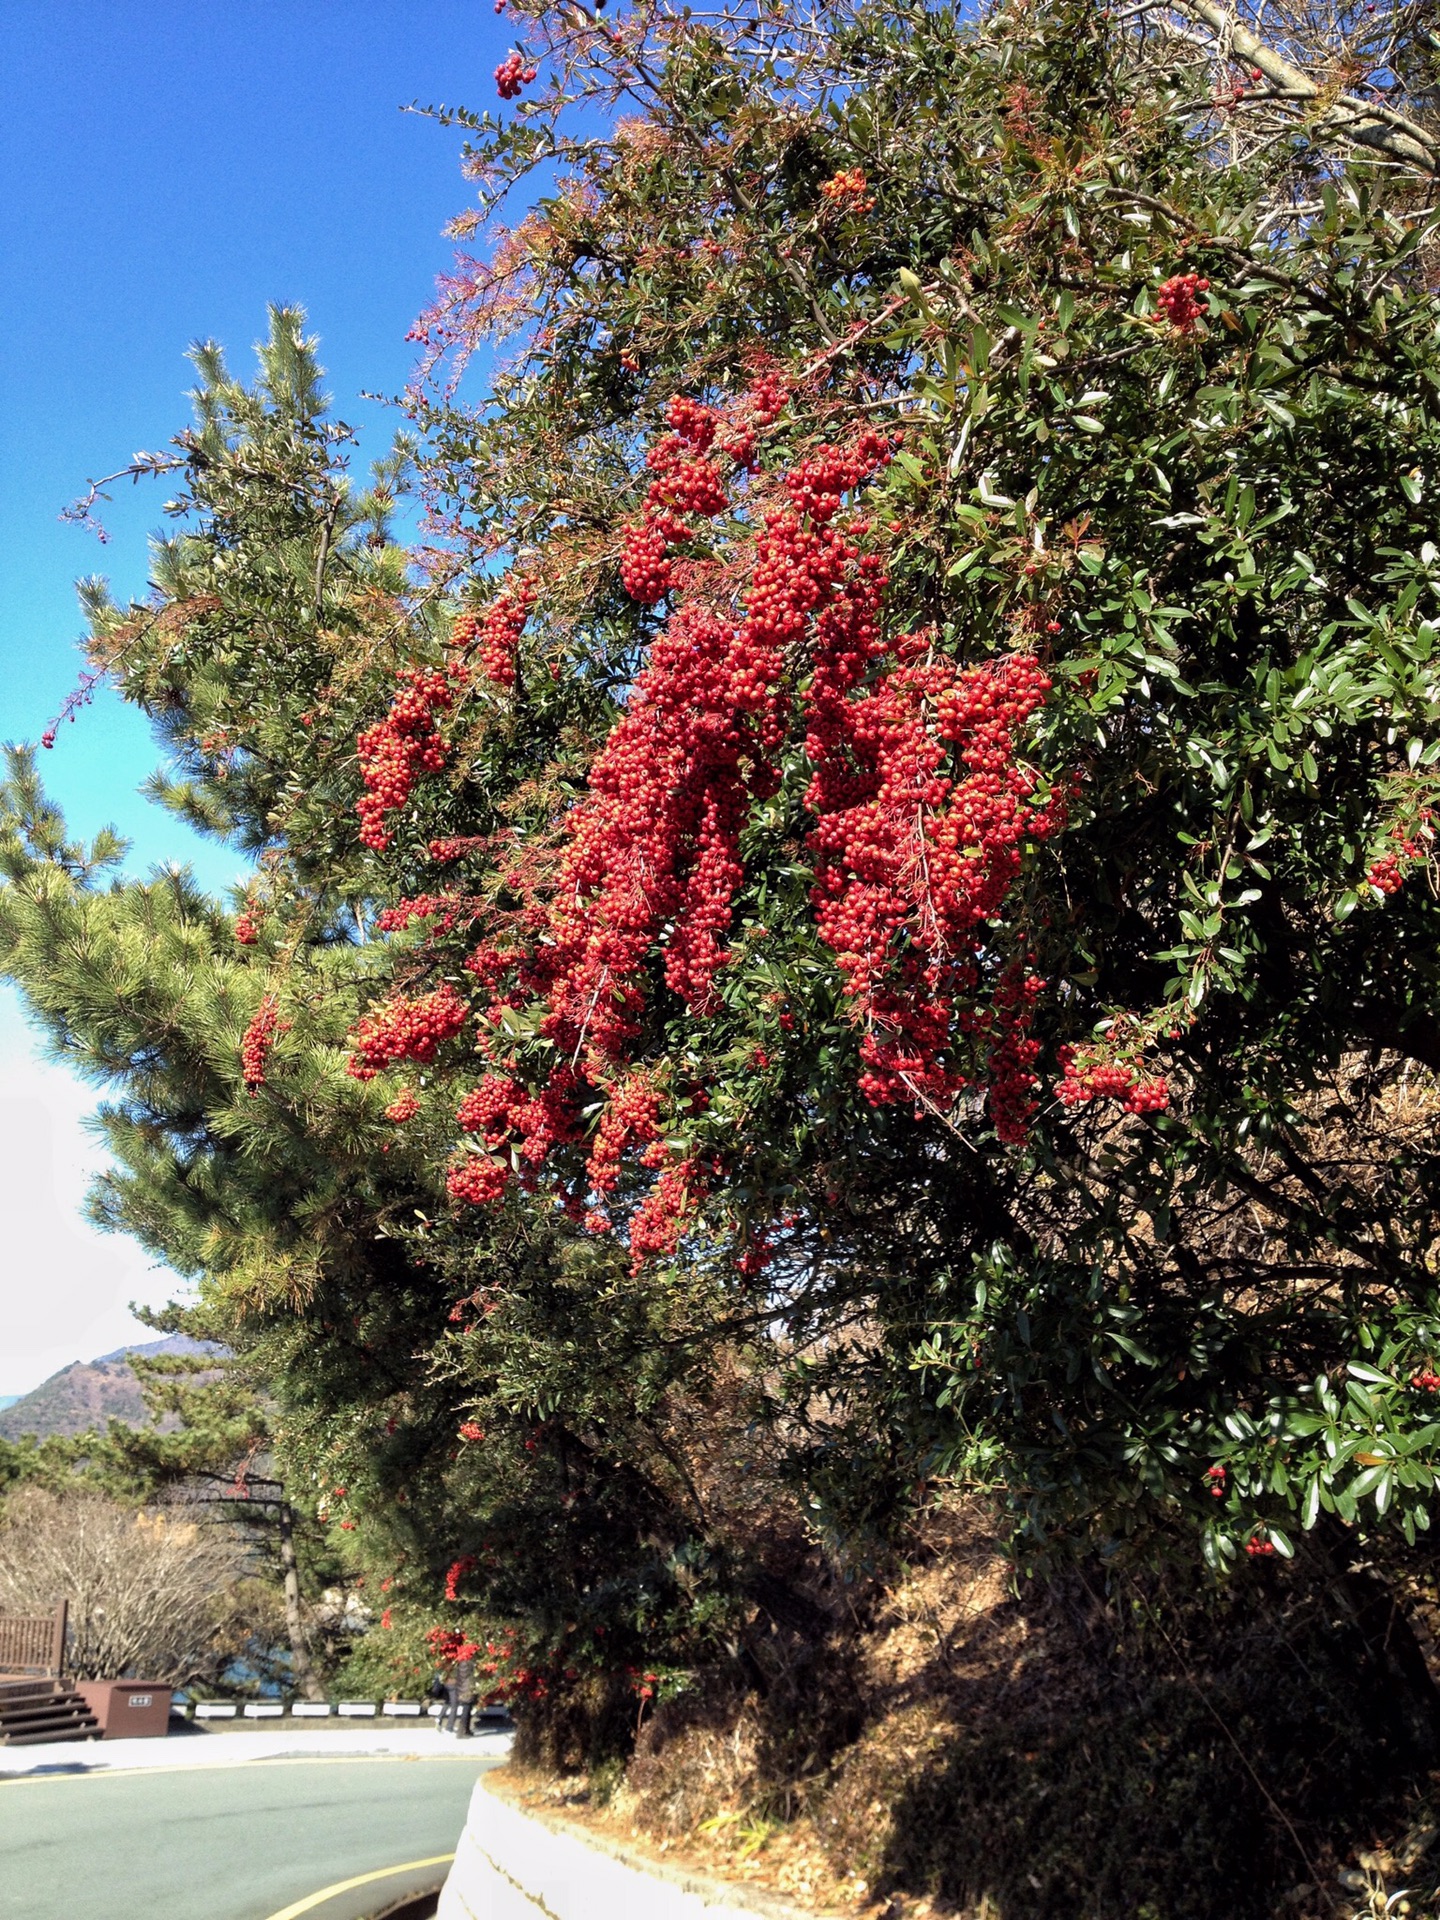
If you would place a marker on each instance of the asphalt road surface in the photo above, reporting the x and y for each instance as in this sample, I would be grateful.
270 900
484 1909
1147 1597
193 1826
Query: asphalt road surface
246 1842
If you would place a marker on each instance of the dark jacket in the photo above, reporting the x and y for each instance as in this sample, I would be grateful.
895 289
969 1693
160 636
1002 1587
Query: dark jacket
463 1678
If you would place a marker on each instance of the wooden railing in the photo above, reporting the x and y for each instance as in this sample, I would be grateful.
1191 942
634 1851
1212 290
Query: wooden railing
33 1642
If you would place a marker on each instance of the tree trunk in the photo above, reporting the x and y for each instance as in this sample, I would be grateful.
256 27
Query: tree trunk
294 1619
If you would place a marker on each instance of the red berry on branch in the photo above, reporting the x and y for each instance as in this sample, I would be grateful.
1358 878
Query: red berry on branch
512 74
258 1040
1179 300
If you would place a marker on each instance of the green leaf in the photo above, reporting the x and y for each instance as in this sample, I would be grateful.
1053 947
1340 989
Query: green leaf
1359 1371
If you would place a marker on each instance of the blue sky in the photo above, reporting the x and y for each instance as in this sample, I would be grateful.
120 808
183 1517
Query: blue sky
165 170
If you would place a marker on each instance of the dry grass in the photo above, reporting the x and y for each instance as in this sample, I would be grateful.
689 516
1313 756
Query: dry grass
954 1748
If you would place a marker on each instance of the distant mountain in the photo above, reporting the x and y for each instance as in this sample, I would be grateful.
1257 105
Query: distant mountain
87 1394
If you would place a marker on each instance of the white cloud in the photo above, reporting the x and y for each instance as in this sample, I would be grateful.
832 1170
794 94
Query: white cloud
63 1285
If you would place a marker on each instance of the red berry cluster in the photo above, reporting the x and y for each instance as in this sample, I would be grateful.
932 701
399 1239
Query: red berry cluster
1259 1547
259 1039
686 481
631 1119
500 1110
1215 1476
406 1030
694 424
449 1644
403 1107
521 1683
642 1685
455 847
1387 875
496 1651
1179 300
1426 1379
846 191
477 1180
247 929
497 631
645 568
441 909
512 74
767 398
486 1110
656 1224
396 750
458 1570
471 1430
756 1257
1092 1075
923 808
1410 842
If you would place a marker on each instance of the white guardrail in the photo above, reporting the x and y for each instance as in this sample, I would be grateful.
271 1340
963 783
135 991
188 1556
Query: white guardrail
324 1710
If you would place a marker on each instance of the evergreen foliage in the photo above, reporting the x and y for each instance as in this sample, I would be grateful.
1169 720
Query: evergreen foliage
1103 1175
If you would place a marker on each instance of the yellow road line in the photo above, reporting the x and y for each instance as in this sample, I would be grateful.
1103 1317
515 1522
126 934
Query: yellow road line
313 1900
228 1766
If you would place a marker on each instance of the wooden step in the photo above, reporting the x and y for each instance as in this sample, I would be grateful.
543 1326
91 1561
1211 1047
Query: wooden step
65 1708
82 1726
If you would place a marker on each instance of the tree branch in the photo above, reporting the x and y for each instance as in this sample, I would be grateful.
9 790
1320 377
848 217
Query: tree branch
1363 122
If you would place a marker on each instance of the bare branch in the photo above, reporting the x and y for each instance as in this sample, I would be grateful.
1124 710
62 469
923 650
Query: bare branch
1364 122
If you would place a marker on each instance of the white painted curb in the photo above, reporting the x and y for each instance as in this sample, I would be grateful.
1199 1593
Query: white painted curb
509 1866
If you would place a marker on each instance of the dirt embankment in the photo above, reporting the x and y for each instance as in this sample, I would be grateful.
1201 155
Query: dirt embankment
1080 1750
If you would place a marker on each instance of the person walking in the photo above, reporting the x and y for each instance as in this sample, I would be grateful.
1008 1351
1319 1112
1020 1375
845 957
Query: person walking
459 1697
465 1694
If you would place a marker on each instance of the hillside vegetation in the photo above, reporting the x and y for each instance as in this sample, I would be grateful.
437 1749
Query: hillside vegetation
87 1394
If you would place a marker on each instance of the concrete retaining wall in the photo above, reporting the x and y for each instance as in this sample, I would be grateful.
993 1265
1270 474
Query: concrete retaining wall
511 1866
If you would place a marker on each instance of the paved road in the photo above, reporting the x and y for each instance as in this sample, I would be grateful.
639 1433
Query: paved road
220 1842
